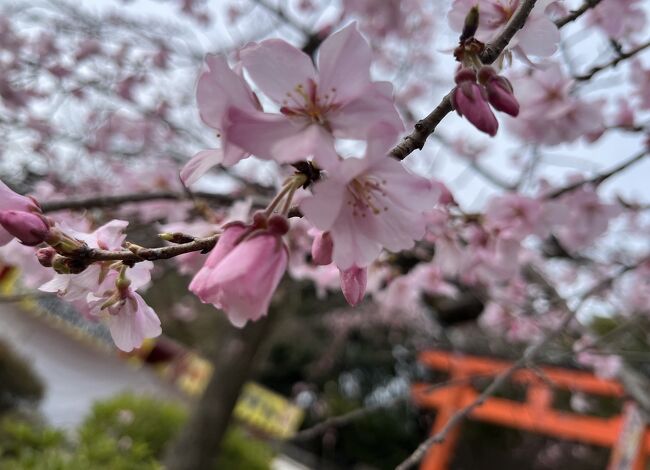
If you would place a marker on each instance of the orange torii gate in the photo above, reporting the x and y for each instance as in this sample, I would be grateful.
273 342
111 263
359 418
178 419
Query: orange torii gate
626 433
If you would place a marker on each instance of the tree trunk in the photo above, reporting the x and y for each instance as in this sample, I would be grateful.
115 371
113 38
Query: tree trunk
197 445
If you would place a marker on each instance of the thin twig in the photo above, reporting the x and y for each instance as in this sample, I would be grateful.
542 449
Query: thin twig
137 254
347 418
598 179
575 14
114 200
494 49
612 63
425 127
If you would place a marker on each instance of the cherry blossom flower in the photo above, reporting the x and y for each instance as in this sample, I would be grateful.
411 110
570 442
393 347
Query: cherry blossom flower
130 320
94 278
514 215
539 36
589 218
370 203
619 19
32 273
339 100
385 17
550 113
103 291
219 88
429 279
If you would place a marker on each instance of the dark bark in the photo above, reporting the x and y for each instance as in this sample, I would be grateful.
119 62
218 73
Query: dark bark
197 446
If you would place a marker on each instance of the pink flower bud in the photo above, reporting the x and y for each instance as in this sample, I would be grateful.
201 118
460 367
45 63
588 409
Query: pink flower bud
45 256
201 284
322 248
353 284
241 277
501 96
31 229
470 100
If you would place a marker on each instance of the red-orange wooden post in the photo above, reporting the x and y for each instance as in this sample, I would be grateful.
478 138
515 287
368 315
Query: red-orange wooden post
438 455
629 452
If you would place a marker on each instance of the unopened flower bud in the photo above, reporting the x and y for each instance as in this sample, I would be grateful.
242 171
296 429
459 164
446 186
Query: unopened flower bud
465 75
45 256
353 284
471 24
176 237
240 276
501 95
486 73
322 248
470 100
31 229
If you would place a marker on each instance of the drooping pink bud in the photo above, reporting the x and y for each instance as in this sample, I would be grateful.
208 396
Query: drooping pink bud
322 248
470 100
353 284
201 284
11 201
243 281
31 229
499 91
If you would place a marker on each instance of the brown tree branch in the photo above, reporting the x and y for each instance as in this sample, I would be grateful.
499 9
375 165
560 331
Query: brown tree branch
425 127
494 48
114 200
136 254
347 418
600 178
575 14
612 63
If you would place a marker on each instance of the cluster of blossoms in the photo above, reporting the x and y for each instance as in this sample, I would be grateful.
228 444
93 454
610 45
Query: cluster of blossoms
357 206
270 100
104 290
551 113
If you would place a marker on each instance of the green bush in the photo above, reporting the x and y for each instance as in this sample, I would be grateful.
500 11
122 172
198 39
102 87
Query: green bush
18 383
241 452
143 421
126 432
